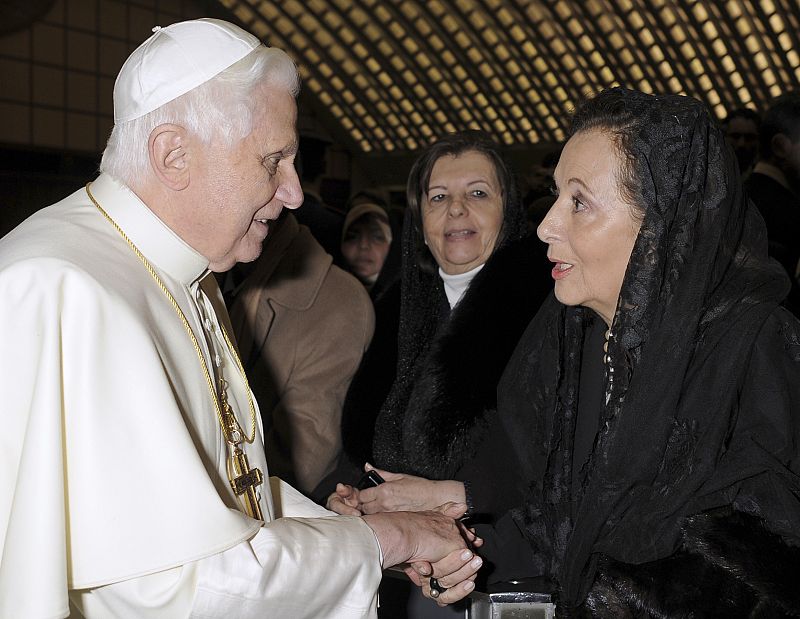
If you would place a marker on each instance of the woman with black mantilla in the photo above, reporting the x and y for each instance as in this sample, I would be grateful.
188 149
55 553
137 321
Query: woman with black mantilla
663 470
422 405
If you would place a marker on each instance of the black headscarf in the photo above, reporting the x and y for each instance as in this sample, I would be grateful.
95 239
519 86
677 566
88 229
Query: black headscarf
423 309
675 438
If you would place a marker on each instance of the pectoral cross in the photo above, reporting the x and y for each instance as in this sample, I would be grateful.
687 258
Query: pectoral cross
243 479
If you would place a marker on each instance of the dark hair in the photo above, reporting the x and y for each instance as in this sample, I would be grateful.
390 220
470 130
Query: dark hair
456 144
782 116
610 112
550 159
311 158
744 113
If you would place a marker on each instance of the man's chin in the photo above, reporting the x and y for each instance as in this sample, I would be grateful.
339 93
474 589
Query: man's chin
250 256
226 264
247 250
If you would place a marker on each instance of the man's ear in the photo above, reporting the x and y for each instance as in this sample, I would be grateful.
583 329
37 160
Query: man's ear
168 155
781 146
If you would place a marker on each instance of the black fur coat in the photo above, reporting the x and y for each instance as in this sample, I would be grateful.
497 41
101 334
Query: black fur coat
449 389
728 565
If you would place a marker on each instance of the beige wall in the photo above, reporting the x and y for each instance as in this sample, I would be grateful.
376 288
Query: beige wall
58 74
56 82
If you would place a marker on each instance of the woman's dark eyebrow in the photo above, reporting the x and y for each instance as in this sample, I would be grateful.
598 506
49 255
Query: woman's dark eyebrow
578 181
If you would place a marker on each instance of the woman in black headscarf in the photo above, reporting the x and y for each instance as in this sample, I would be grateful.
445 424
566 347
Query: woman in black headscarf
424 399
662 459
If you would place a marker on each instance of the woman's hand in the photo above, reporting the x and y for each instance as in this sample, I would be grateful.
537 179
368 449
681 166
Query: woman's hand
407 493
456 572
345 500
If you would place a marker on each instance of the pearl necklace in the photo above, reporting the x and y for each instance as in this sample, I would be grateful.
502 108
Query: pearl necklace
607 362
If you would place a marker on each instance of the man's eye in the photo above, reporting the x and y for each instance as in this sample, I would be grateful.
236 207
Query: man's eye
271 164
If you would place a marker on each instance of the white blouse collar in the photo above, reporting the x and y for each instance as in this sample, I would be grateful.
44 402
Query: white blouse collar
456 285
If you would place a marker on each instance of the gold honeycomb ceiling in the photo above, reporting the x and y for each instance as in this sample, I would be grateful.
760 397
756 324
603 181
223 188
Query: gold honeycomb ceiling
397 73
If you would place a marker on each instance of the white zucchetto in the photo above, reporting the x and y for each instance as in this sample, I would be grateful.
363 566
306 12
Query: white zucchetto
175 60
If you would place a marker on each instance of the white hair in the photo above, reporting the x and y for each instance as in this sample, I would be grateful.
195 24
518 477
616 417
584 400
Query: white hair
219 109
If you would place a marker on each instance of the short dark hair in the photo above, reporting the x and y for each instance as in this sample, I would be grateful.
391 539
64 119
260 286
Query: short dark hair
745 113
610 111
456 144
782 116
311 158
550 159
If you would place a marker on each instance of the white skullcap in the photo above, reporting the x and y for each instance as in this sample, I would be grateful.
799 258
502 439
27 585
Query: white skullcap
175 60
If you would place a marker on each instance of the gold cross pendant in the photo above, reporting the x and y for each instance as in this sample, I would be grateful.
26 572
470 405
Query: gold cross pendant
244 481
233 432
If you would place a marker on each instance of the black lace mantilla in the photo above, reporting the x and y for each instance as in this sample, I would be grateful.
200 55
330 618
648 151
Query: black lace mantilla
698 290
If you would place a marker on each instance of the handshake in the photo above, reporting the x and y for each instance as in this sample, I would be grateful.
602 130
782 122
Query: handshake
416 523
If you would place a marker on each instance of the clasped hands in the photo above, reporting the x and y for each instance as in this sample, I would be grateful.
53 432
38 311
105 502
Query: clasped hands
440 545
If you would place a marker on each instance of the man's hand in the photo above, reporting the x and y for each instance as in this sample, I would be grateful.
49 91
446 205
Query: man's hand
434 543
408 493
345 500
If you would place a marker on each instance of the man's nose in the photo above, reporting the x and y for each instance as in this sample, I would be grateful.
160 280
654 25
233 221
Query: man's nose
289 192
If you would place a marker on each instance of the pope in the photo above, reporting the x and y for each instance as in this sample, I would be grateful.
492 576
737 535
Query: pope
133 480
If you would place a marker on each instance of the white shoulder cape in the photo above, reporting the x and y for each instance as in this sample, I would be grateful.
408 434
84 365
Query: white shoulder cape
112 461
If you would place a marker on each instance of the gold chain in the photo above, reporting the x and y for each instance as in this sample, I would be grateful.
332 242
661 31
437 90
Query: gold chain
187 326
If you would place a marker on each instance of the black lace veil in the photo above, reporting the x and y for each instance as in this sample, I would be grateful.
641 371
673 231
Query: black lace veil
698 289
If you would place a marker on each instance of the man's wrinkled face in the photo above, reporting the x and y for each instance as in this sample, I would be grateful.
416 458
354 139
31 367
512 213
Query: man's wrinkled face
742 134
245 186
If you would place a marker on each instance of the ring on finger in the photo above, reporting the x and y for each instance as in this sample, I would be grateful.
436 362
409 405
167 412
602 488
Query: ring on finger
436 588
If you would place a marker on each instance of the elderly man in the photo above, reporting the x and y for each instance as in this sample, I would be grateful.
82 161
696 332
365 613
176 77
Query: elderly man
133 478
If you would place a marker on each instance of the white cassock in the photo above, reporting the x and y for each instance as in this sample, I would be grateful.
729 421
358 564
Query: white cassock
114 497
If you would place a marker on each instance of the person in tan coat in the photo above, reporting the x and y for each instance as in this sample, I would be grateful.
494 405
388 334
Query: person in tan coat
302 325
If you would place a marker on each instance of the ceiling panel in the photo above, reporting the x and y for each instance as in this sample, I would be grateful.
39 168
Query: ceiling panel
394 74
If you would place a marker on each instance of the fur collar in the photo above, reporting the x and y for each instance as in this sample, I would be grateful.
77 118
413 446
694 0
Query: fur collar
456 382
